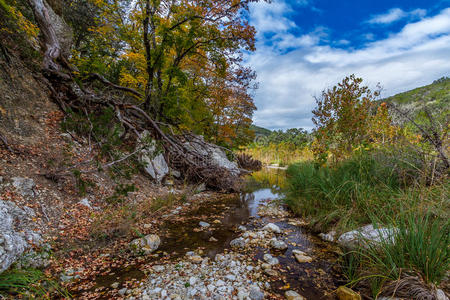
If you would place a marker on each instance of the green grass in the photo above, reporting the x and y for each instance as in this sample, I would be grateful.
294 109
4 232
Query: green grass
378 189
342 196
29 283
420 246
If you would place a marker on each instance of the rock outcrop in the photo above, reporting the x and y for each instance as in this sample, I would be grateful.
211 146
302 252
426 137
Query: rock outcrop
16 232
154 162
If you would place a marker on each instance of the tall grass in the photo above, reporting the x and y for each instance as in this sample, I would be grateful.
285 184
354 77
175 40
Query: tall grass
342 195
281 154
416 253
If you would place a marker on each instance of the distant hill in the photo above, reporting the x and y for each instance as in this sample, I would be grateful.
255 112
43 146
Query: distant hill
435 97
260 130
436 94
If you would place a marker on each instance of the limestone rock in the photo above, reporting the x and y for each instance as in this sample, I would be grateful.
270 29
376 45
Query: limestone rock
154 161
364 235
440 295
272 228
147 244
255 293
25 186
345 293
238 243
16 234
215 155
292 295
279 245
301 256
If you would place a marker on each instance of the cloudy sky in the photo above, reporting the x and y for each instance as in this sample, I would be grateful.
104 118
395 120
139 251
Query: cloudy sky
305 46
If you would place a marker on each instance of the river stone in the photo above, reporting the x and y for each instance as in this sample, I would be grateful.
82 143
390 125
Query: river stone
115 285
279 245
328 237
270 259
204 224
345 293
25 186
255 293
440 295
16 232
238 243
272 228
301 256
292 295
147 244
365 234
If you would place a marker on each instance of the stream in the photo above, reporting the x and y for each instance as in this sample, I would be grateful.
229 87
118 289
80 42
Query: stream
180 234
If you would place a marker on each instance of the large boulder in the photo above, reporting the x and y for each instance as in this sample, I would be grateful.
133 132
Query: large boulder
152 158
213 153
16 233
364 235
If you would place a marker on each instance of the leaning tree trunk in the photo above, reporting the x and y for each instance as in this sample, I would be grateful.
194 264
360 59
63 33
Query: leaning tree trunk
56 37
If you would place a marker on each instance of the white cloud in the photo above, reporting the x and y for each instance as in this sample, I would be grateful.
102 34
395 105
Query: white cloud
414 56
396 14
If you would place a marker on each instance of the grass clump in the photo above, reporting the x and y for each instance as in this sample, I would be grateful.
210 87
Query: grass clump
29 283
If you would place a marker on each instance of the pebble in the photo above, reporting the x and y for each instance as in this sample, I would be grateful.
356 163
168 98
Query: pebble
204 224
255 293
272 228
279 245
292 295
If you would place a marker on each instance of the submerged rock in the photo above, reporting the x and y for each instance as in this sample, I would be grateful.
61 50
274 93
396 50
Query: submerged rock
301 256
279 245
328 237
366 234
204 224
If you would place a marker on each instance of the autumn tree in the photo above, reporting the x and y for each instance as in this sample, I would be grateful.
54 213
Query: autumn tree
347 117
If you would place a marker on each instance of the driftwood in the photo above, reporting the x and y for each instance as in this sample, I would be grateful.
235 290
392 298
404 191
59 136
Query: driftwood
5 143
247 162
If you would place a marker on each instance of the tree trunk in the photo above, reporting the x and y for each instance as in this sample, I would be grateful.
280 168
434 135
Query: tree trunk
49 38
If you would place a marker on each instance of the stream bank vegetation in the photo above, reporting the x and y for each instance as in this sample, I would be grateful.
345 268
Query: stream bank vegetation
370 169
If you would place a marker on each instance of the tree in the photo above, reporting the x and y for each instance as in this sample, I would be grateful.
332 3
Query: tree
344 116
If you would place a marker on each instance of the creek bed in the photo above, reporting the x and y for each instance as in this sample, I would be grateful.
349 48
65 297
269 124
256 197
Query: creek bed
181 233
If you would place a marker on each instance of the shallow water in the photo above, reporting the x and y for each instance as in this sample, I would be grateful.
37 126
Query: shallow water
180 234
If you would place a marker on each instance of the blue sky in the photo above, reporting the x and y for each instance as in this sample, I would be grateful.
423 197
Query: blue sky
305 46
